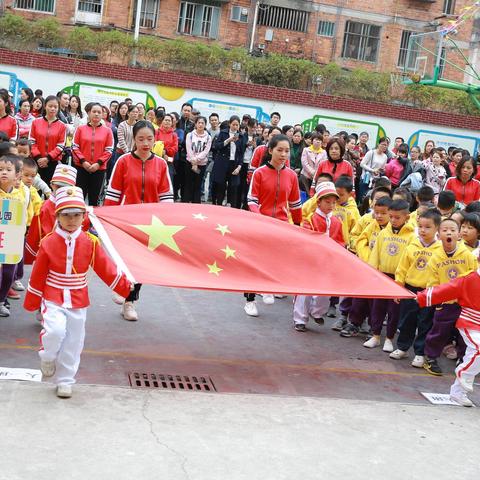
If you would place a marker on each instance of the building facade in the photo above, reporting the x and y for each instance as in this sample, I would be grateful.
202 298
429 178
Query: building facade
352 33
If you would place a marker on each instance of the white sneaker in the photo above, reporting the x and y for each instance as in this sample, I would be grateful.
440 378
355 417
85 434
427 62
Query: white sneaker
64 391
466 386
462 399
47 367
418 361
251 309
268 299
117 299
398 354
388 346
4 311
372 343
18 286
129 313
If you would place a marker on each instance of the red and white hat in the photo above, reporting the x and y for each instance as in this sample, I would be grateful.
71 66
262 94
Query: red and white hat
325 189
64 175
69 200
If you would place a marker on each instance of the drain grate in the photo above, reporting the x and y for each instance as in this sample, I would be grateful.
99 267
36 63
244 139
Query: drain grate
184 383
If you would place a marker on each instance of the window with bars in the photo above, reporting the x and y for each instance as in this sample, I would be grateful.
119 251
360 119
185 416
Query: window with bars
47 6
326 29
403 54
90 6
449 7
361 41
283 18
198 20
442 63
148 13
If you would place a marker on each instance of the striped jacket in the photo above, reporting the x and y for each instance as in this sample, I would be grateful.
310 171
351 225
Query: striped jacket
93 145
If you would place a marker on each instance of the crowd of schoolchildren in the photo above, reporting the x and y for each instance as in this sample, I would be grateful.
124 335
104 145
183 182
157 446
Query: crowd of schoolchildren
412 214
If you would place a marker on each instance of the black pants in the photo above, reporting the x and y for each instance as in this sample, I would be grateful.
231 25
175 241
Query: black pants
249 296
46 173
241 200
193 184
179 178
91 184
219 189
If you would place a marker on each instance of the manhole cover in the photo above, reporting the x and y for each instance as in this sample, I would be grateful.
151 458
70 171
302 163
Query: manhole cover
187 383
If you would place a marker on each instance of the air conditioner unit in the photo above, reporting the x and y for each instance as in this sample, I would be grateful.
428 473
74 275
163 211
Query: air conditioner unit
261 46
244 11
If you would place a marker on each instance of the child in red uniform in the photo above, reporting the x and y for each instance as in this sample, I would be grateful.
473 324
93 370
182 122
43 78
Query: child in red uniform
465 291
59 285
322 221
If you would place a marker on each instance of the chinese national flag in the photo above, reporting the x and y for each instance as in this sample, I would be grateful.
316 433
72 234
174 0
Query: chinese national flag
217 248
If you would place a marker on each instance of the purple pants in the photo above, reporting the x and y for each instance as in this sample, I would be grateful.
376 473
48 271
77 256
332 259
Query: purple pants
381 308
345 306
359 311
8 276
442 330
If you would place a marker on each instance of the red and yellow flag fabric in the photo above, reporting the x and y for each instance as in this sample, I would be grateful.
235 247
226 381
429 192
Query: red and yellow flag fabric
217 248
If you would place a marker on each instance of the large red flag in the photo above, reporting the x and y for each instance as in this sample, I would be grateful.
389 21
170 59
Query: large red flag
217 248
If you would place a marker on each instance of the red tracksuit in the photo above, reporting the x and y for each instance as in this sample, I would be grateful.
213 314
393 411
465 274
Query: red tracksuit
134 181
47 139
93 145
274 193
328 224
464 192
169 139
9 125
257 159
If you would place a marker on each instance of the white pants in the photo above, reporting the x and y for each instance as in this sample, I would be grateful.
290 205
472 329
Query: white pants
62 339
470 365
304 306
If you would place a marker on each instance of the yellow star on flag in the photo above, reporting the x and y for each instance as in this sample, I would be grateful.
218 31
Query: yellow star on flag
214 268
199 216
223 229
229 253
160 234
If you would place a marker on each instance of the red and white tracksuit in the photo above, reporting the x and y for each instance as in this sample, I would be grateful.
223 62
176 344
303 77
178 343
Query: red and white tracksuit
275 193
305 306
257 159
47 139
9 125
58 284
93 145
466 292
134 181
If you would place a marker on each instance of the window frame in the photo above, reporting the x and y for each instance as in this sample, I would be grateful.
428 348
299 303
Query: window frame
280 15
451 4
53 12
364 38
145 13
239 20
91 2
194 18
325 22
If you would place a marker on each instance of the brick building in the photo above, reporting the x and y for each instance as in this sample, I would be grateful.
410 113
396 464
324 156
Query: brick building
352 33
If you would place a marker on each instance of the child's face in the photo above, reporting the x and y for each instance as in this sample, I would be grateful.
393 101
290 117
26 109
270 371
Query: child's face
398 218
7 175
327 204
70 222
380 214
449 234
469 234
28 175
426 229
343 195
436 159
23 150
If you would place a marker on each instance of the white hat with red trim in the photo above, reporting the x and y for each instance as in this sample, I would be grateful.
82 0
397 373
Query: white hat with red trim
325 189
69 200
64 175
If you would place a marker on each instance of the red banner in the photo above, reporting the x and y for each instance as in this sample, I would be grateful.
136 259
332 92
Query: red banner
218 248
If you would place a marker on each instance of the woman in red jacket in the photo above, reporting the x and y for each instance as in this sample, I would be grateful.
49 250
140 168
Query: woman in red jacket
92 148
139 177
47 137
166 134
464 185
7 123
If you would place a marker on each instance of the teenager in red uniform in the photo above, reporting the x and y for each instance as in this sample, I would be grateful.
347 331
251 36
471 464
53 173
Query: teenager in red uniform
139 177
8 124
464 185
59 285
47 137
92 149
322 221
274 192
465 291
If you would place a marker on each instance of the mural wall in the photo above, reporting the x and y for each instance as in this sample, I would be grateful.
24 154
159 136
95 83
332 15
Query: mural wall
98 89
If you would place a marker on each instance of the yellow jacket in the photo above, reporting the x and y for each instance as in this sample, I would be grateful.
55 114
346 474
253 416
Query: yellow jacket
442 269
363 222
389 248
348 214
412 269
366 240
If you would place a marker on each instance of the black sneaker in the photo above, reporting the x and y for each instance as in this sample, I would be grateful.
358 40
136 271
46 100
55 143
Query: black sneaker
319 320
432 367
300 327
332 312
350 330
7 303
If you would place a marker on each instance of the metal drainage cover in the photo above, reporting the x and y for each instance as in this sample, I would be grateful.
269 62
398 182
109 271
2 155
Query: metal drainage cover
172 382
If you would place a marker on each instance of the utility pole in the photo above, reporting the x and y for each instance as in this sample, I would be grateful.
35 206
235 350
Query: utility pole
137 31
254 27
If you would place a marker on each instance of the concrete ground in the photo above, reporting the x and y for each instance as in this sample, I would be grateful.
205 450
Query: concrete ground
288 405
